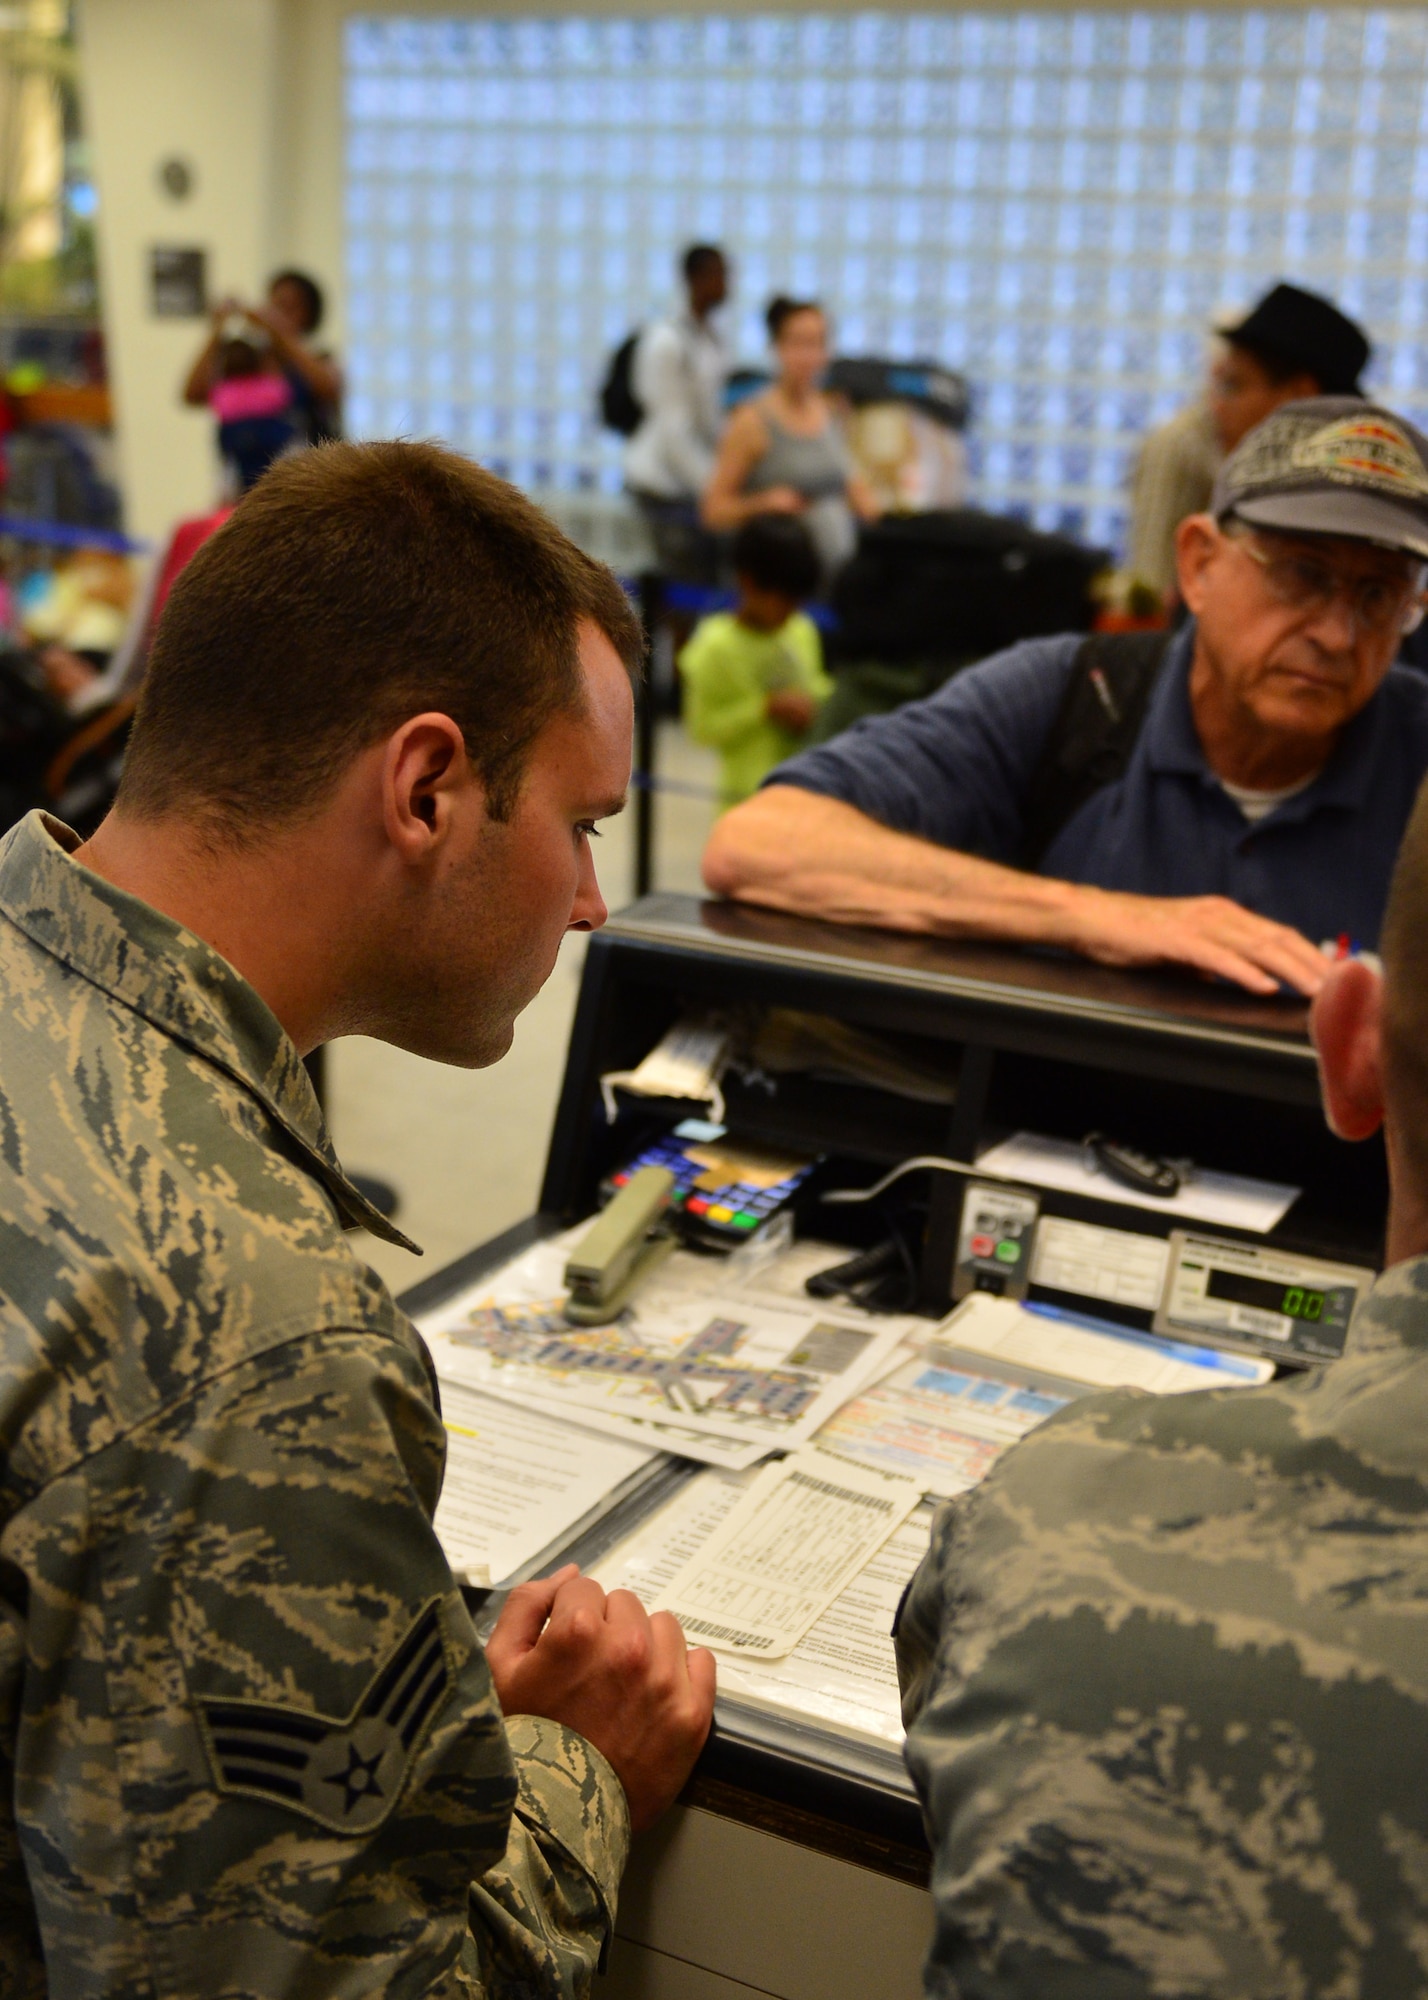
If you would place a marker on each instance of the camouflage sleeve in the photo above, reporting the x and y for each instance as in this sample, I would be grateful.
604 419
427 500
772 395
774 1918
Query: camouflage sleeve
1167 1701
919 1617
544 1916
259 1749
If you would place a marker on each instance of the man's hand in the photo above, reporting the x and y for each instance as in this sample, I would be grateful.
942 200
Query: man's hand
795 850
604 1667
791 707
1209 934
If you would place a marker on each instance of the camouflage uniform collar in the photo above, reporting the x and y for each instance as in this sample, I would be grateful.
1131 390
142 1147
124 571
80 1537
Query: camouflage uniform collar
1395 1313
175 981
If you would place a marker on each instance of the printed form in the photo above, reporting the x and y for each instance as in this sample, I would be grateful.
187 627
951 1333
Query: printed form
792 1543
939 1420
1060 1346
696 1365
516 1482
842 1671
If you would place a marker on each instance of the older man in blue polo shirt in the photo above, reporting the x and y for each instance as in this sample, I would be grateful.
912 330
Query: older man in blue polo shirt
1265 796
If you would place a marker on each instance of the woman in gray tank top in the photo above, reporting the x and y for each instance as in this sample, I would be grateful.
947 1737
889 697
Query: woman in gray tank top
782 452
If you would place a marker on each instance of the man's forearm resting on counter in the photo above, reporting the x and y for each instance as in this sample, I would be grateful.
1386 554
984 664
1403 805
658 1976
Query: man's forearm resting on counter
796 850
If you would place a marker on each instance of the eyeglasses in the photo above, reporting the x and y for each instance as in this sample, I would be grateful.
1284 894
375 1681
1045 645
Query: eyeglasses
1306 583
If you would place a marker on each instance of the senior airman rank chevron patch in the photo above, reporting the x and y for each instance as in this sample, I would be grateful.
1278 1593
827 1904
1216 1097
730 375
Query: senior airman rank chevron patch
344 1774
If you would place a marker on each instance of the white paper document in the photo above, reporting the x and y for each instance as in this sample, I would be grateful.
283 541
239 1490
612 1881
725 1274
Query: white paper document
797 1537
657 1550
1231 1199
938 1421
1058 1346
842 1670
695 1365
516 1482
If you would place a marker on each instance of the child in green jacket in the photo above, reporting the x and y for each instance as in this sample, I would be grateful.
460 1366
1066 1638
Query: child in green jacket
753 677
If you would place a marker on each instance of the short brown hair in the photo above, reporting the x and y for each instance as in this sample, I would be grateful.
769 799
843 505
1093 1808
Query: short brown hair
357 585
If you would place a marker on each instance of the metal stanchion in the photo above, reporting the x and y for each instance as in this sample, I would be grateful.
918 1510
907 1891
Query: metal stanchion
651 602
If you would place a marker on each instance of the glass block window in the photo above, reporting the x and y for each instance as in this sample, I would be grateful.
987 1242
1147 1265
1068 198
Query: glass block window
1054 203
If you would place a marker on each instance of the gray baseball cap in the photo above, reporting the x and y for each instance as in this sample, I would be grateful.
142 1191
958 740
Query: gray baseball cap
1331 465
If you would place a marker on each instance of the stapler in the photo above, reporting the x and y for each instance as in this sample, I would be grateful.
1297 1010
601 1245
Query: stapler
621 1249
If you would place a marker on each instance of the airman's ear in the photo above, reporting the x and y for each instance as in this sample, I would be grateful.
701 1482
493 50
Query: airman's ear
424 767
1346 1028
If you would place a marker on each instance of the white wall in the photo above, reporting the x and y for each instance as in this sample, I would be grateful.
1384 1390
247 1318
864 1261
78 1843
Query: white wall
201 80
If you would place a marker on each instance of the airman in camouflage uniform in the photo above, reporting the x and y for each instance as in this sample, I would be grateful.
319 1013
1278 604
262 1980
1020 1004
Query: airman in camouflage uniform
1166 1680
253 1744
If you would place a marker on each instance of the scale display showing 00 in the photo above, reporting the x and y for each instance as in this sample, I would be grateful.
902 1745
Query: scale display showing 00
1269 1299
1293 1301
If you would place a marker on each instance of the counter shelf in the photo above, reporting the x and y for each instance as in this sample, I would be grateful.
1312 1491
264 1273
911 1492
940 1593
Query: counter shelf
1032 1041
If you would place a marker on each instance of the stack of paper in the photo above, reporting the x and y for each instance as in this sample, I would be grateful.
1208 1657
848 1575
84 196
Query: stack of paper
939 1420
518 1483
1060 1345
697 1365
842 1669
795 1540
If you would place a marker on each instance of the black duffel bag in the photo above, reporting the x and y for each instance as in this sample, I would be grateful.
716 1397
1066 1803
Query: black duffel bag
957 585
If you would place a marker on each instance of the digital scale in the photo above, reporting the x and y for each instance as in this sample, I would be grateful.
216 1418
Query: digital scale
1212 1290
1248 1295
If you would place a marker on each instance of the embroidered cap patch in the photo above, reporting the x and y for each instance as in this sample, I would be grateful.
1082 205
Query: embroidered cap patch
1364 451
345 1774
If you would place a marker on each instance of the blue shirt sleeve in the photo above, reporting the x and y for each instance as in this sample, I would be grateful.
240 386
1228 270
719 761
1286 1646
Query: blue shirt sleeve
954 768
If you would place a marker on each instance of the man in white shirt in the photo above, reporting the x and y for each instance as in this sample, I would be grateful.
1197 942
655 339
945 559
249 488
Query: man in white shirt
679 372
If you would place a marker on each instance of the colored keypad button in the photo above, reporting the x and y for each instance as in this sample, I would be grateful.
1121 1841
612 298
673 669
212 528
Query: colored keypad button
1008 1252
982 1246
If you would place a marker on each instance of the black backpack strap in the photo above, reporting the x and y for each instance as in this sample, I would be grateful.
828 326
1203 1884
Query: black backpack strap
1094 733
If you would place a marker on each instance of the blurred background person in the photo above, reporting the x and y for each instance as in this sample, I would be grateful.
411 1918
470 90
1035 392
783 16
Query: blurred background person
279 335
783 451
753 677
253 401
1294 344
678 370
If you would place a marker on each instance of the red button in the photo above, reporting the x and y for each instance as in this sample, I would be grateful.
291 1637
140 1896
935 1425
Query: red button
983 1246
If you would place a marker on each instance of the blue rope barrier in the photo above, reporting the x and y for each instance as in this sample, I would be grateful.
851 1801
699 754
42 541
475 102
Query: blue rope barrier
699 600
64 535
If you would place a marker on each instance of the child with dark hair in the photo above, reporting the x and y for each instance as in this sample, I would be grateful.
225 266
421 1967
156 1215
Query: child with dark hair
753 677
